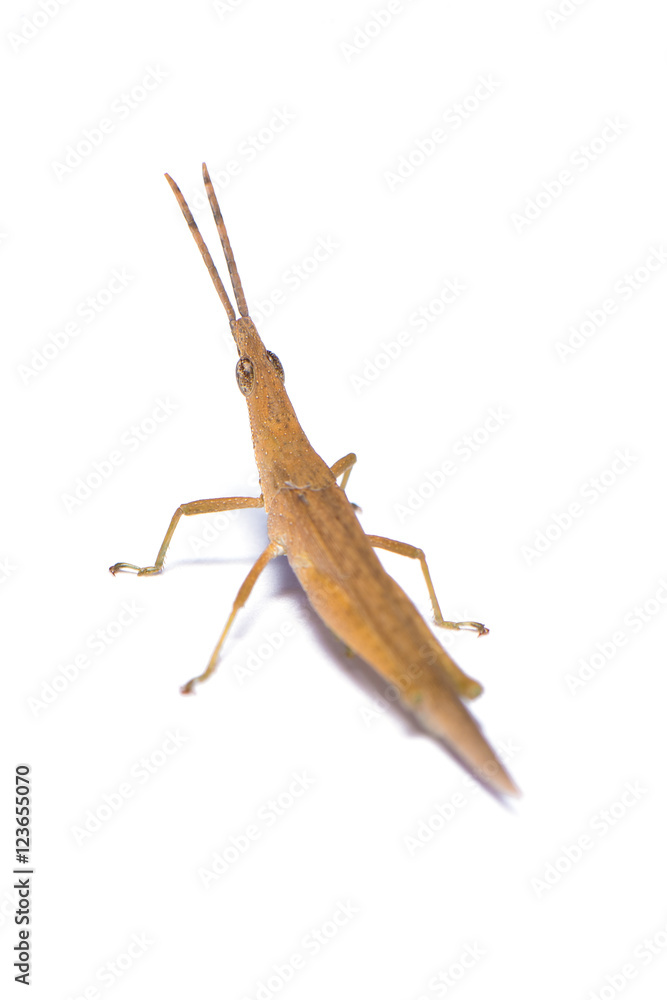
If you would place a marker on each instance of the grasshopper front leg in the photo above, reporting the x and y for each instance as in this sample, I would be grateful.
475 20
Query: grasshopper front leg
343 467
194 507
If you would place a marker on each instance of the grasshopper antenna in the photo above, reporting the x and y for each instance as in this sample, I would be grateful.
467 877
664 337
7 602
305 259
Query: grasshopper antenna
226 245
203 249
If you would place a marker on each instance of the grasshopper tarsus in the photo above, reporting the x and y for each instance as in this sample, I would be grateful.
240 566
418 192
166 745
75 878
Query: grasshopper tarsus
462 626
122 567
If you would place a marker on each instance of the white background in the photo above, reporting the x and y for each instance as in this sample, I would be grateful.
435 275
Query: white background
500 901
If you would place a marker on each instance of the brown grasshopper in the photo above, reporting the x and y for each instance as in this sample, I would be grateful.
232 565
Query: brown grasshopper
311 521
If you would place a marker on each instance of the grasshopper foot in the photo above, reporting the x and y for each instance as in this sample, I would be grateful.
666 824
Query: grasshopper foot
123 567
468 626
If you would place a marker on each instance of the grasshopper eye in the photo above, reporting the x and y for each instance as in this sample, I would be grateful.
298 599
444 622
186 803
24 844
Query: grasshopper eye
275 361
245 375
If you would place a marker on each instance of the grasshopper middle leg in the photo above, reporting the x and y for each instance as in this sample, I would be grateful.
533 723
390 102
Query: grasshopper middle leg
194 507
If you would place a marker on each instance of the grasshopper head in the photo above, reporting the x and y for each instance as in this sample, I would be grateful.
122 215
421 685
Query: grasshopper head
258 371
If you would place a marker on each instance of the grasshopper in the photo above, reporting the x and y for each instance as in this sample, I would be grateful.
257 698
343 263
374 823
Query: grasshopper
311 521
